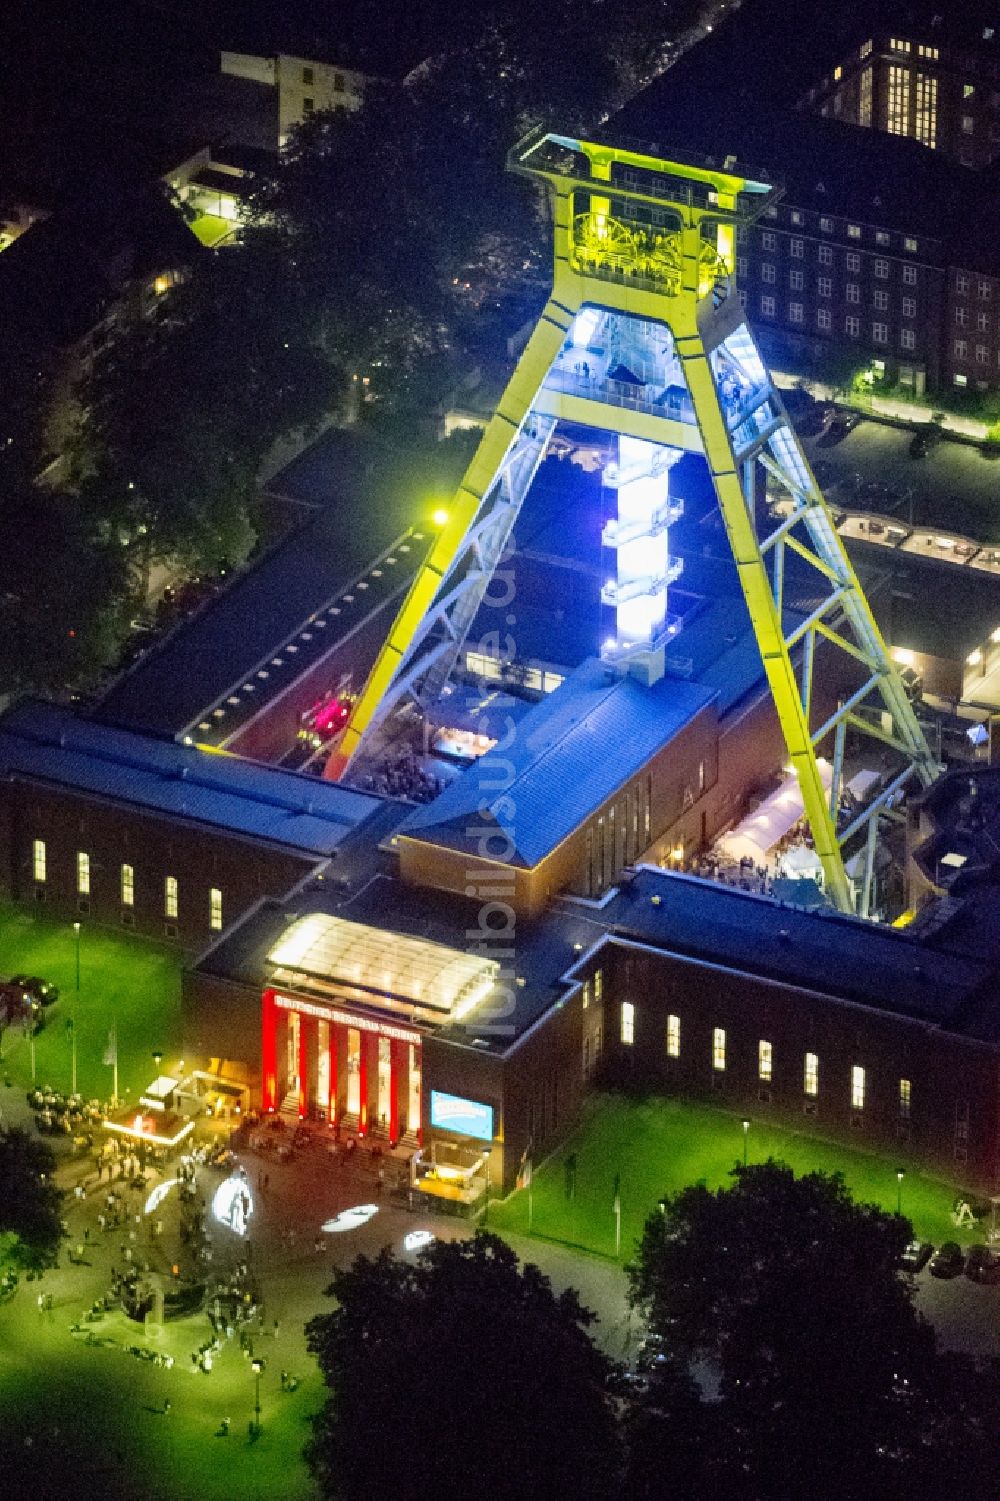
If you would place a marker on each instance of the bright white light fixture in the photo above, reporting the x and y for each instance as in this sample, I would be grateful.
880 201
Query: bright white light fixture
232 1204
350 1219
158 1195
417 1239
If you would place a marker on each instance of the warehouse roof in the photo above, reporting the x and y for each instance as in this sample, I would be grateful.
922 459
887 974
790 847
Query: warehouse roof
567 757
44 743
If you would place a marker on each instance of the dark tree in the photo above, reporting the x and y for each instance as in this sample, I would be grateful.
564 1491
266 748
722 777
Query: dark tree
791 1292
460 1375
30 1203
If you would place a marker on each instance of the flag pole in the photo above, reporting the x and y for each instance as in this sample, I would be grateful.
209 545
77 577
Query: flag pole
114 1061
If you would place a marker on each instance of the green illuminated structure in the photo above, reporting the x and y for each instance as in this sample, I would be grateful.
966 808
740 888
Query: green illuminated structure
644 337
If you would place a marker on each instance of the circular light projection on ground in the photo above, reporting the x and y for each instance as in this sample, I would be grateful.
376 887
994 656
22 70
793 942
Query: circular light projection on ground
350 1219
417 1240
232 1203
158 1195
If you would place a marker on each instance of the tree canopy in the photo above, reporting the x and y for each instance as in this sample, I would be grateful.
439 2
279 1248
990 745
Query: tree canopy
790 1291
459 1374
30 1203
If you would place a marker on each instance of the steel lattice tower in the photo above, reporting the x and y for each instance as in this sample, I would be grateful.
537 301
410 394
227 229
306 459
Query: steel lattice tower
643 284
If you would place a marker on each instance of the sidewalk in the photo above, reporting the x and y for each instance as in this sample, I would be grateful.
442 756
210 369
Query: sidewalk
885 406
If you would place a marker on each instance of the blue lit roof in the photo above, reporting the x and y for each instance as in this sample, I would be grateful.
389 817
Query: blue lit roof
565 758
44 743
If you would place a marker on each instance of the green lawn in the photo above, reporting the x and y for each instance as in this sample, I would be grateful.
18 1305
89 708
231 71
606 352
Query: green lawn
661 1145
123 980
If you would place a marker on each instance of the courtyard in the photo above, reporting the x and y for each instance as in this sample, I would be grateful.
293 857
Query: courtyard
657 1146
126 983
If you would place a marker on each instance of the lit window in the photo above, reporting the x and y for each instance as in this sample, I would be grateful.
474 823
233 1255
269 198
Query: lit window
795 216
910 245
898 115
880 333
925 122
857 1088
585 994
910 275
838 73
854 231
673 1037
83 873
904 1099
881 237
767 306
907 338
38 859
852 325
899 46
598 986
796 281
628 1023
909 307
796 248
170 896
810 1082
824 319
764 1061
931 52
865 49
128 886
968 89
826 255
852 292
960 380
881 268
795 312
719 1049
215 909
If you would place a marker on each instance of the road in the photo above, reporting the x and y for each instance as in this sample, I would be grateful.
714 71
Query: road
954 488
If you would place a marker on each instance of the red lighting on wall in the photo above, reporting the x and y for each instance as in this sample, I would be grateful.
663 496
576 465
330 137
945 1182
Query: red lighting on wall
269 1052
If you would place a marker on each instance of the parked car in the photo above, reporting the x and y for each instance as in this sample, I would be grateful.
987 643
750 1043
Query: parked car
982 1265
947 1261
928 437
43 990
812 420
916 1256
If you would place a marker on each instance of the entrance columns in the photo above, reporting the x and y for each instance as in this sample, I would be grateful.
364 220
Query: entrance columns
307 1028
269 1052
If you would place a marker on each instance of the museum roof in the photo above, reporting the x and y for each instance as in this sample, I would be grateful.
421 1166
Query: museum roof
822 951
43 743
566 758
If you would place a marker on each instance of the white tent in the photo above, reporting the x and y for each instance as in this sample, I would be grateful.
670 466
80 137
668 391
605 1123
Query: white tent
761 830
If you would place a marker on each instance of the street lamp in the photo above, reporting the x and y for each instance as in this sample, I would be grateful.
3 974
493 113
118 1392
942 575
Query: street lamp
76 1010
746 1133
900 1175
257 1366
158 1057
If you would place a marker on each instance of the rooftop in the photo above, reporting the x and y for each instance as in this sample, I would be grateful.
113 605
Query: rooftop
822 951
43 743
567 756
711 104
